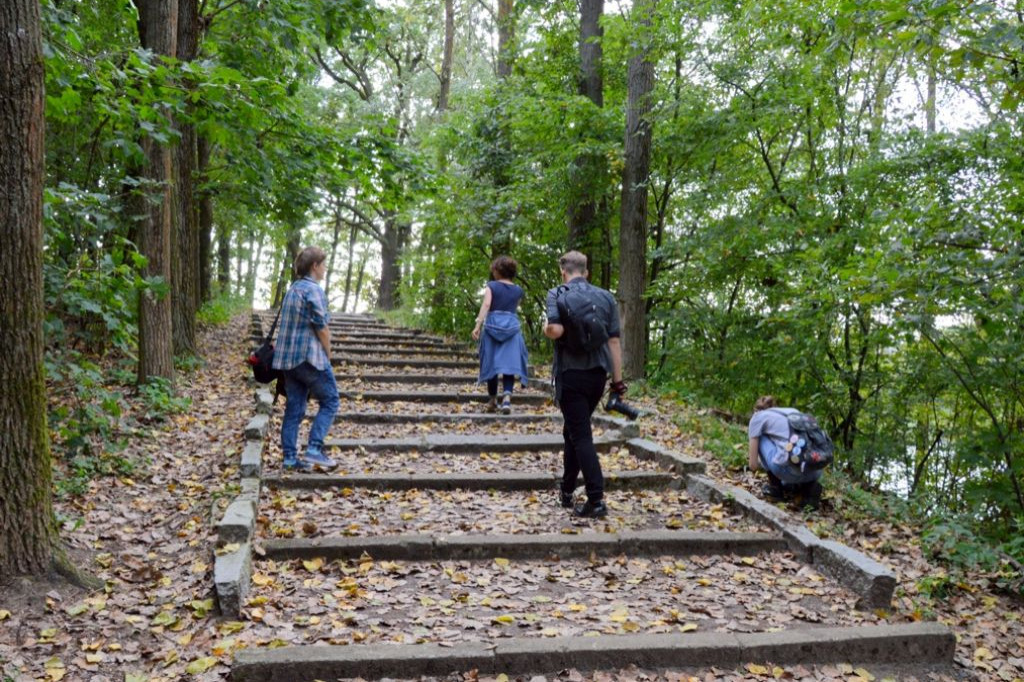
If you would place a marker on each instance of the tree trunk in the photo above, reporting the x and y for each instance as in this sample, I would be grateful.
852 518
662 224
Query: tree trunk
223 256
28 532
185 272
390 271
588 168
348 267
205 223
506 34
448 56
633 222
291 252
360 276
158 26
333 252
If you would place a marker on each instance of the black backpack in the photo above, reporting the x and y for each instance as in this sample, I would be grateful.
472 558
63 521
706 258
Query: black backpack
809 446
262 358
583 313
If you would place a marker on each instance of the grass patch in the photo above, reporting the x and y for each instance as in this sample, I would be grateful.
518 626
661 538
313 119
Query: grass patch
219 311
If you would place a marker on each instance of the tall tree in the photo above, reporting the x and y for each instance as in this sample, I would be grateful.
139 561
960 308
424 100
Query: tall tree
205 198
635 176
185 270
506 37
158 32
589 167
28 531
448 54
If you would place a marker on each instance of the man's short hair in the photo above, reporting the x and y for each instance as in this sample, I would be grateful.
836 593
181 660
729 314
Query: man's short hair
307 258
574 263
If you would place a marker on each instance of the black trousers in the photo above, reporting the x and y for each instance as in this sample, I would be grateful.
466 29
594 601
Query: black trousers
580 393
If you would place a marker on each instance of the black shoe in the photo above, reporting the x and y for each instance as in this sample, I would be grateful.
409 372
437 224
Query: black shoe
811 497
567 499
773 492
591 510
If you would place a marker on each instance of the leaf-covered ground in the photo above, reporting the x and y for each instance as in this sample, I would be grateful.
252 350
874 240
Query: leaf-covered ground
380 603
148 537
499 426
476 406
364 512
391 462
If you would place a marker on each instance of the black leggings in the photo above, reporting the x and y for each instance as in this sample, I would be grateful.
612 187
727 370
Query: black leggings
508 382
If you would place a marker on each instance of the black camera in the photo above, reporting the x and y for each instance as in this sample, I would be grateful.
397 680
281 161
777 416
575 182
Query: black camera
617 404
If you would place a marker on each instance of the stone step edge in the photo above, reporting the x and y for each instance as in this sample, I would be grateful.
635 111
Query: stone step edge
467 444
402 362
614 480
381 351
419 547
403 378
873 582
532 399
913 644
455 417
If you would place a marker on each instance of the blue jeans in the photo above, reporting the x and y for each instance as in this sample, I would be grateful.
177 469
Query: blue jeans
300 383
580 394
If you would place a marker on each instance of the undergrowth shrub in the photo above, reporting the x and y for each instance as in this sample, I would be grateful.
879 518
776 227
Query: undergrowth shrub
220 310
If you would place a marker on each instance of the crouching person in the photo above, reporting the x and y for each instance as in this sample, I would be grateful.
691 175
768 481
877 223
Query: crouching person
769 435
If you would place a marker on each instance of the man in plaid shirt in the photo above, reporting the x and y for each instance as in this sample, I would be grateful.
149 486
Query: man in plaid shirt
303 351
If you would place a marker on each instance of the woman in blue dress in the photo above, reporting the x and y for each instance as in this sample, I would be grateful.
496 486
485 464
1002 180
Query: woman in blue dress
502 349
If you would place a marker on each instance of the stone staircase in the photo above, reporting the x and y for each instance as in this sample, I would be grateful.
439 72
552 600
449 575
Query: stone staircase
437 546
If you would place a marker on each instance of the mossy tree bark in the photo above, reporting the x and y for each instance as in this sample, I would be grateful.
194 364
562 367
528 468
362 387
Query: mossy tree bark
28 532
158 28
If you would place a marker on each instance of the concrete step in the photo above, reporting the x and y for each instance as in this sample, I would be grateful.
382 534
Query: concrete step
403 378
540 546
339 342
443 418
440 397
907 644
390 337
614 480
468 444
389 351
403 362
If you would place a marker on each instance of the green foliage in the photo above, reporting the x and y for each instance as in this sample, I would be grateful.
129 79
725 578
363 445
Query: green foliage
81 469
726 442
85 408
220 310
159 399
955 541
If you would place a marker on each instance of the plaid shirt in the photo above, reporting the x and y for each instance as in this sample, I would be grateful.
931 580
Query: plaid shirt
303 312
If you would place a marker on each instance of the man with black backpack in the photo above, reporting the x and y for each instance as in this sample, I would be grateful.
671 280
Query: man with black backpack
583 321
791 448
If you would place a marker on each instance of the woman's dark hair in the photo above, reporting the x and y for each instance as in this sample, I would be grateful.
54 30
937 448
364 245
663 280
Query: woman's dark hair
307 258
504 267
764 402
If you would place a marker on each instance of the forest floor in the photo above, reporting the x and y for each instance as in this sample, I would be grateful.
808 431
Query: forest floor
149 537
